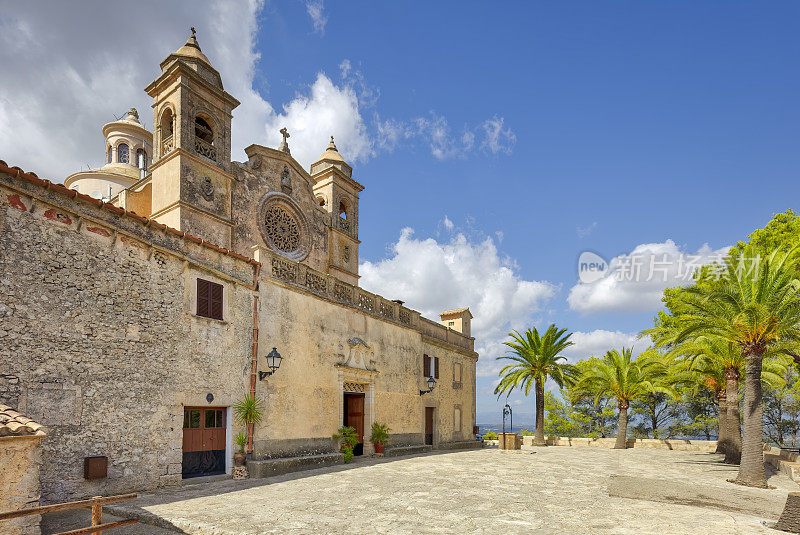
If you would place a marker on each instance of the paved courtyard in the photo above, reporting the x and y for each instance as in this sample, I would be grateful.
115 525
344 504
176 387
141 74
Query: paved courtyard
549 490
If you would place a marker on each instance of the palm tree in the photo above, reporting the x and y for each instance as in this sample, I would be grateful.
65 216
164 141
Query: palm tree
754 305
625 379
718 363
535 358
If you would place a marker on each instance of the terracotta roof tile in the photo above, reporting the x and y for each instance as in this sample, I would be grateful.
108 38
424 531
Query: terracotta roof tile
17 172
14 424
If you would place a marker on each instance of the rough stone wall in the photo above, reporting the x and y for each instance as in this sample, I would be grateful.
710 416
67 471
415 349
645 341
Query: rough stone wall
20 458
260 176
100 344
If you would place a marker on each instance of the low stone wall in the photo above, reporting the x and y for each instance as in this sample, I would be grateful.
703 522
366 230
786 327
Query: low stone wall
668 444
276 467
783 460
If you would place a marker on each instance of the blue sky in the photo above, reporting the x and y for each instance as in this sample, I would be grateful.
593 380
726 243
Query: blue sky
509 137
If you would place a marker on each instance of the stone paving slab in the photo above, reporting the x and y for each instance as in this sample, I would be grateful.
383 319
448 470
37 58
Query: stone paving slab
548 490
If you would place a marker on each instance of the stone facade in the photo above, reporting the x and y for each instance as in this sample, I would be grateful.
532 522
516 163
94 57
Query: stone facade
100 341
106 338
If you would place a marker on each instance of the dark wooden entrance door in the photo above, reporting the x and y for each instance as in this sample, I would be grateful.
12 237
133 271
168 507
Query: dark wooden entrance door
429 425
354 417
203 441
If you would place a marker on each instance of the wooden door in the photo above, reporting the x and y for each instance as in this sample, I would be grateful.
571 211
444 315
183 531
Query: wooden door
429 425
203 441
354 417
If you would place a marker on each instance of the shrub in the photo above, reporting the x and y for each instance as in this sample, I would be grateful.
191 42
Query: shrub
490 435
380 433
526 433
349 439
240 439
248 410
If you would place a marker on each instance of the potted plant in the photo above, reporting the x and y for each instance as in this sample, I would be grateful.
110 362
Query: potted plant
348 437
249 410
240 439
380 436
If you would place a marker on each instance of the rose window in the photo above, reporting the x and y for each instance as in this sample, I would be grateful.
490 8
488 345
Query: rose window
282 229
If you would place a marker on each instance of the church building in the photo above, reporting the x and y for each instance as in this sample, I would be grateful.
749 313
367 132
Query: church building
141 301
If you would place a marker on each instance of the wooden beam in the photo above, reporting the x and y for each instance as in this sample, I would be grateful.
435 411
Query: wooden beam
98 529
65 506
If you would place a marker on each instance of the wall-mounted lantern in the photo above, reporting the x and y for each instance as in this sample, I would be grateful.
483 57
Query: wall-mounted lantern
431 384
273 362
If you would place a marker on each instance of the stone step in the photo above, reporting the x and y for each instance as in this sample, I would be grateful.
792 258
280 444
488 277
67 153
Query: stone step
285 465
394 451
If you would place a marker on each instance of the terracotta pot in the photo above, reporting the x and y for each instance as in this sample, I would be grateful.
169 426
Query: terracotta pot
239 459
378 448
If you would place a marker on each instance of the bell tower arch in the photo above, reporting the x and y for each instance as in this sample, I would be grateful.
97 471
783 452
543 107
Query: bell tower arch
191 169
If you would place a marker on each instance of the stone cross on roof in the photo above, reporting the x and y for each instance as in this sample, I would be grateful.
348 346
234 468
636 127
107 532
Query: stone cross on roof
193 31
284 144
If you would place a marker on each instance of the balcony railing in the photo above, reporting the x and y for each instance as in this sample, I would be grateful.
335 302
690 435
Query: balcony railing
344 225
167 145
204 148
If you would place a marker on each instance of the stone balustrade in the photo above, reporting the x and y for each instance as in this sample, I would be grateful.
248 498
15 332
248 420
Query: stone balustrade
345 225
204 148
324 285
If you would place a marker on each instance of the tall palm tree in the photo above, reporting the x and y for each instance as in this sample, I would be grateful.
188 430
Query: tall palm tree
754 305
625 379
719 362
534 358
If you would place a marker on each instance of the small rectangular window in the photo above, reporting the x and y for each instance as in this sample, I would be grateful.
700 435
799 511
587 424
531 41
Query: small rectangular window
426 366
457 419
191 419
436 367
209 299
457 372
451 323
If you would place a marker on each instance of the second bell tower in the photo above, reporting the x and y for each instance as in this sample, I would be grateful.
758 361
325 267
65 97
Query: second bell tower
191 170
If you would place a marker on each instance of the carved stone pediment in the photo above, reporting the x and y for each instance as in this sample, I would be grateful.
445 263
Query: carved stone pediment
359 355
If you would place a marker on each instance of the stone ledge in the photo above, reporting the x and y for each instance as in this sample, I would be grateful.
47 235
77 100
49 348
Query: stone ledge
460 445
395 451
285 465
784 461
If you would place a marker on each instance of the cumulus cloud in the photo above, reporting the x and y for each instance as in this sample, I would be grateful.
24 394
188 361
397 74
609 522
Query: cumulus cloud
316 10
636 281
433 276
59 87
327 110
596 343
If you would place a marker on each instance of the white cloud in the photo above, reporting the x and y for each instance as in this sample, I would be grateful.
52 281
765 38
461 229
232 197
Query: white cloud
316 10
497 139
596 343
432 276
327 110
59 86
636 281
449 225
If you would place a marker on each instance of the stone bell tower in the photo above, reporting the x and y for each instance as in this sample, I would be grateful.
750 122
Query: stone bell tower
337 192
191 169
